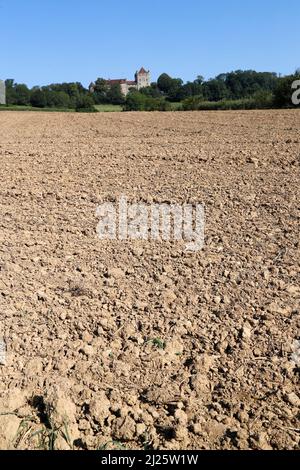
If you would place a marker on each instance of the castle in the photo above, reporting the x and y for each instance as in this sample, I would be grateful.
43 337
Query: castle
142 80
2 92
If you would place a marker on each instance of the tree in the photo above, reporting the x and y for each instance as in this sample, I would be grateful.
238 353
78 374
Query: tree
176 92
75 90
38 98
22 95
138 101
215 90
10 91
115 95
199 80
151 90
222 77
85 104
192 89
57 99
135 101
244 83
9 83
171 87
101 90
165 83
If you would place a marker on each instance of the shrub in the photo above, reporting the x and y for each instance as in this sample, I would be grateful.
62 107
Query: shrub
58 99
260 100
192 103
136 101
85 104
38 99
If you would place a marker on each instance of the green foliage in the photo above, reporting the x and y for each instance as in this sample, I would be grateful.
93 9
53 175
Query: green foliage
104 93
17 94
108 108
101 90
191 89
137 101
85 104
58 99
22 95
38 99
43 97
64 96
226 86
164 83
192 103
261 100
171 87
215 90
242 84
115 95
152 91
159 343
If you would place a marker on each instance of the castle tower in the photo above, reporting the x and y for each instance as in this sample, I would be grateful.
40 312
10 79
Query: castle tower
142 78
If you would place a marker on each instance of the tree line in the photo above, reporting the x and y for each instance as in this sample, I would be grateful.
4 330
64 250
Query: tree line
241 89
63 95
235 90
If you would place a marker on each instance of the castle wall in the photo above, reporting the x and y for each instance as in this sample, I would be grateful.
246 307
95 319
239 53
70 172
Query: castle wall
125 87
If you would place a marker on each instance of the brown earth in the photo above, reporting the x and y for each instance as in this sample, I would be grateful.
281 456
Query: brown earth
141 344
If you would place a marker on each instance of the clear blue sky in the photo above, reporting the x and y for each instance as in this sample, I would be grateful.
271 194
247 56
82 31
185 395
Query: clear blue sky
46 41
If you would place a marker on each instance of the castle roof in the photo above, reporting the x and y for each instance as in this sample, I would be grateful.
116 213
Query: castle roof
142 71
117 80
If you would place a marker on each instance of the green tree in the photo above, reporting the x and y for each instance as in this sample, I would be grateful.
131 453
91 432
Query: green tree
101 90
22 95
38 98
135 101
85 104
75 90
215 90
115 95
57 99
199 80
151 90
244 83
10 91
165 83
171 87
138 101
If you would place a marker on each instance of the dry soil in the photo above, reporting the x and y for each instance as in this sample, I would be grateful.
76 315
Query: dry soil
141 344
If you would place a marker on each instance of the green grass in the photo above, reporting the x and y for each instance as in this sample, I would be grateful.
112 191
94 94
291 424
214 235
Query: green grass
108 108
159 343
176 106
31 108
104 108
